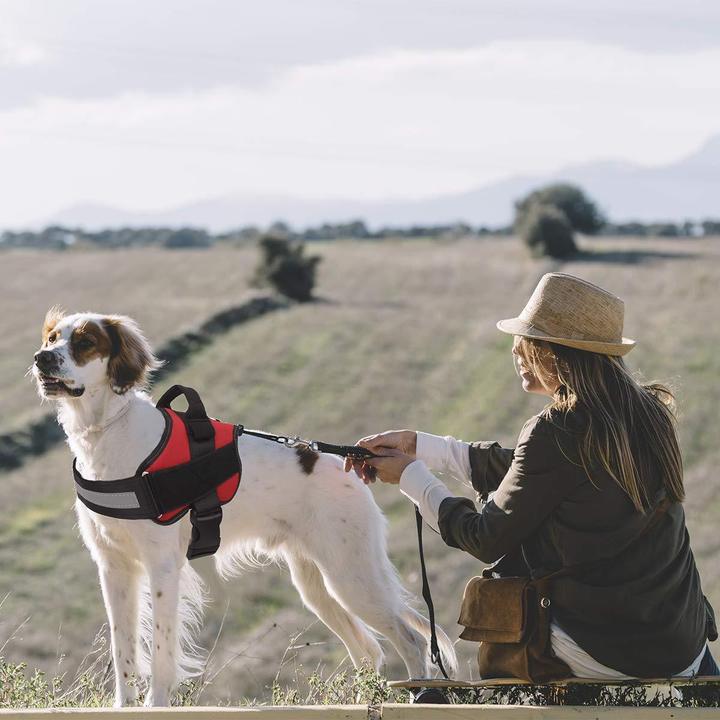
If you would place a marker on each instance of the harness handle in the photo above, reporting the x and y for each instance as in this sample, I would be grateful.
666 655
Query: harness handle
196 418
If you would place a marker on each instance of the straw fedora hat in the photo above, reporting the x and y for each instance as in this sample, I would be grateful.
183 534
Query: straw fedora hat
570 311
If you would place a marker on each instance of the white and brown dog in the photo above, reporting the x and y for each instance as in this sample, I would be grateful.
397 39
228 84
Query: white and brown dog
324 524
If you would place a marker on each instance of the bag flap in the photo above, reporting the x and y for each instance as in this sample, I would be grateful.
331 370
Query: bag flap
494 609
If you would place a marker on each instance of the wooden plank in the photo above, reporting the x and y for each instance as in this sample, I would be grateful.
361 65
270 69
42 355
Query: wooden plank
516 712
390 711
304 712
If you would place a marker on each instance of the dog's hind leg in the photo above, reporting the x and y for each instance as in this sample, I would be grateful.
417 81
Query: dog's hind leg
370 590
310 583
120 587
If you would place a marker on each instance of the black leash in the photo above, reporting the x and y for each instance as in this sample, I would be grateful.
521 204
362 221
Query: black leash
434 648
352 451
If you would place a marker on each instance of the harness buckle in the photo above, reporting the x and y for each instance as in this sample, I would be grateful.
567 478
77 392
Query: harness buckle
205 517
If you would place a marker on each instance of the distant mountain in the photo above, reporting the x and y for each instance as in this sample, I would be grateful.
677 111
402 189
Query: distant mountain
689 188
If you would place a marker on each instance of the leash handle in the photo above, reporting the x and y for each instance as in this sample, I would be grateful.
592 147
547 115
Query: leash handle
356 452
434 648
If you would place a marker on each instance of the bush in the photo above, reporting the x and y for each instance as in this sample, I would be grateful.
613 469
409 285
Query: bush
547 231
581 212
284 266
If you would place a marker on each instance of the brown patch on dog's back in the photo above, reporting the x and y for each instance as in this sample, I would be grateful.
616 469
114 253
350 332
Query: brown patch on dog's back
89 341
307 459
53 316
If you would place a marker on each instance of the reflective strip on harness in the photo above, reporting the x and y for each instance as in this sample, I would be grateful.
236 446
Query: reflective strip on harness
124 500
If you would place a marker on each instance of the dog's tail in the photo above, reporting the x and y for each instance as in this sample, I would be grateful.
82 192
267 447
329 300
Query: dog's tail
447 648
191 659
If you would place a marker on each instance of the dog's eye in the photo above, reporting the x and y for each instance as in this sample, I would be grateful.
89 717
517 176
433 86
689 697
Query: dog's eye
52 338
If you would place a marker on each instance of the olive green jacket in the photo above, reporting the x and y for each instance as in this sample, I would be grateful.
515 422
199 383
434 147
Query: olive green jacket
643 611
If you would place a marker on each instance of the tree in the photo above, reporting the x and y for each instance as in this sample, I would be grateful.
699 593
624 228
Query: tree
187 238
284 265
581 212
547 231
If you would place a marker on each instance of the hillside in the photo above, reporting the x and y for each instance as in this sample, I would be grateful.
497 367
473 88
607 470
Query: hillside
403 336
682 189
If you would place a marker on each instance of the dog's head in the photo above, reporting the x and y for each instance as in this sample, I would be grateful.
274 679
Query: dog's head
87 350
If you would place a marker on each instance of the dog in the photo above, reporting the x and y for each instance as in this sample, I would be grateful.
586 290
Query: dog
298 508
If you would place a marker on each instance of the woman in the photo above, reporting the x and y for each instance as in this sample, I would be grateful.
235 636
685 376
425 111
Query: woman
583 481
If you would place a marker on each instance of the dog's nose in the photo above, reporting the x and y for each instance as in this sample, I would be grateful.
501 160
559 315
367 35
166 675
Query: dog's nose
45 359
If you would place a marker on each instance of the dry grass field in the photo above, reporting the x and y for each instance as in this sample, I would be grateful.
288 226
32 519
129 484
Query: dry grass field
402 335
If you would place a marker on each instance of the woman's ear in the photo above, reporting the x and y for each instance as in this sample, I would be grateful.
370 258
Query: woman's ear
131 359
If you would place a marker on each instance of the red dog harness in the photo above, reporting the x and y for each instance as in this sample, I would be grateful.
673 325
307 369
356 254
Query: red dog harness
195 467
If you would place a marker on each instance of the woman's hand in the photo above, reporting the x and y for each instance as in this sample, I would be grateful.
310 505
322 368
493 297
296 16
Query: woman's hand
389 467
398 448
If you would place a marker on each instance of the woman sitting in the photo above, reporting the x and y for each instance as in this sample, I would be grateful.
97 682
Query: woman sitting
596 475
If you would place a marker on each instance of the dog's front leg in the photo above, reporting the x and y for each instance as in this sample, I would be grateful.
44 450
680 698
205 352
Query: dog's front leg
164 588
120 593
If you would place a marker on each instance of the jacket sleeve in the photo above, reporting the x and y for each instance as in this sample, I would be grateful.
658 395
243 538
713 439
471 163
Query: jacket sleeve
535 483
489 464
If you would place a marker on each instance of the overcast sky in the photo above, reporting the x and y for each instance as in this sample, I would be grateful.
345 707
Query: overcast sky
148 104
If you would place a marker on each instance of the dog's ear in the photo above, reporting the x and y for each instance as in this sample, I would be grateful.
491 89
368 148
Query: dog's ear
131 359
53 316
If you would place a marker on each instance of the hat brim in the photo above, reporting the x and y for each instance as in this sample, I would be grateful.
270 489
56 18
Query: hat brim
517 326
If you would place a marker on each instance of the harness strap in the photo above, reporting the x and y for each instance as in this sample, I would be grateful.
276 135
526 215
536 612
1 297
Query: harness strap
147 495
196 419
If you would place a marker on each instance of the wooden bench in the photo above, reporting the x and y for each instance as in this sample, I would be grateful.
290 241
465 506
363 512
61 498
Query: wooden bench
556 692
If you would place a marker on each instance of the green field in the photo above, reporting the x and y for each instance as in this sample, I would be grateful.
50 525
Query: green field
403 335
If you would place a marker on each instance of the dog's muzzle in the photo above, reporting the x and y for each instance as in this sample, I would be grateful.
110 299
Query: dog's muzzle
47 361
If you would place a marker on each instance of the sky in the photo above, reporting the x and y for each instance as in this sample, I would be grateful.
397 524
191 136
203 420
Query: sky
151 104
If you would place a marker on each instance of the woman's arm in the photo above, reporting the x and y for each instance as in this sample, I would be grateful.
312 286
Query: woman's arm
489 463
444 454
534 485
483 463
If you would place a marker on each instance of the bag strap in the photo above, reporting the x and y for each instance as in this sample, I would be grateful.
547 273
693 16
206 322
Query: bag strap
434 648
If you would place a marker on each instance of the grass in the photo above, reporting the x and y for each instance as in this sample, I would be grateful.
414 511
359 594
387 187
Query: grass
404 336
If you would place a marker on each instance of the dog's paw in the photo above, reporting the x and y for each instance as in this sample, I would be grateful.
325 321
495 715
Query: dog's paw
156 699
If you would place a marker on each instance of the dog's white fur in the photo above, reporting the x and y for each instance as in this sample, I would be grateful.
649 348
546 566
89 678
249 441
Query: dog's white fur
324 525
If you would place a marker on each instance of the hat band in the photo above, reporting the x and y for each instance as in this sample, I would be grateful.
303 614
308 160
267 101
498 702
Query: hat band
569 333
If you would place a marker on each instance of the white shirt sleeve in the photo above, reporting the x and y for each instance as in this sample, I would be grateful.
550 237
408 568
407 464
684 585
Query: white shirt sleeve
425 490
444 454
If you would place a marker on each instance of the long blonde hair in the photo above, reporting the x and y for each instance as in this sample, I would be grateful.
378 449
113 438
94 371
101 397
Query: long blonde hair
630 425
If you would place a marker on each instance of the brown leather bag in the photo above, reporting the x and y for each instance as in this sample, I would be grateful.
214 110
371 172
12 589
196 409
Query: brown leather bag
510 617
